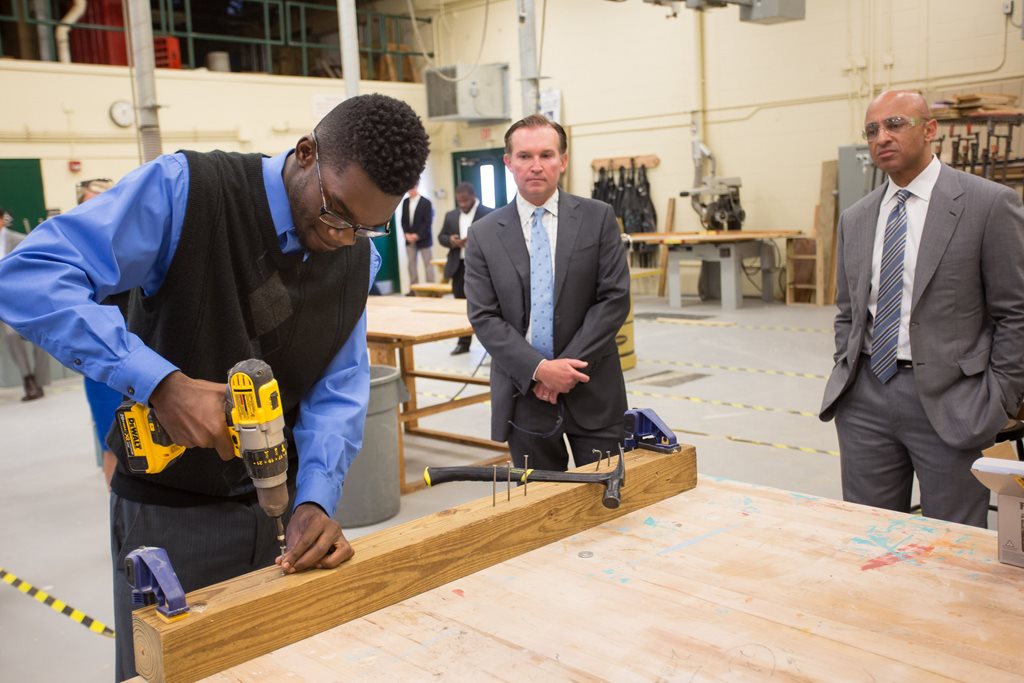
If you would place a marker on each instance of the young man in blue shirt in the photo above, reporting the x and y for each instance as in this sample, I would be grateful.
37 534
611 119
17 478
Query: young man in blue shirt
229 256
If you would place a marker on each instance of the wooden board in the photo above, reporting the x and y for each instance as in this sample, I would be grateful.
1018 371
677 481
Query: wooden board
670 222
235 621
435 289
614 163
825 233
728 582
712 236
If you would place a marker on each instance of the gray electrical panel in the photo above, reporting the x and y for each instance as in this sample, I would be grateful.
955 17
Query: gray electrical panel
466 93
772 11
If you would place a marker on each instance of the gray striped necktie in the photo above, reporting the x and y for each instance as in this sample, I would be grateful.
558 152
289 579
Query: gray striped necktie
890 292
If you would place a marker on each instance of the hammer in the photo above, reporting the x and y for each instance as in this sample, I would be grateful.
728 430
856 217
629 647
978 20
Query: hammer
613 480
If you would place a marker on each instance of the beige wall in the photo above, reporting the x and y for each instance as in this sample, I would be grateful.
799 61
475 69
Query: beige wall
59 113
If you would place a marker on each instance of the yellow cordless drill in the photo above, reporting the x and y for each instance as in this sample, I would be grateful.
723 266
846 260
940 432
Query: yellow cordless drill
255 422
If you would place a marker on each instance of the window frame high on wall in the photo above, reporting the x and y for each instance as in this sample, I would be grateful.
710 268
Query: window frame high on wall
280 18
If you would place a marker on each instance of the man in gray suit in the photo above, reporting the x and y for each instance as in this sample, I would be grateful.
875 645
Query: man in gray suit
547 286
929 361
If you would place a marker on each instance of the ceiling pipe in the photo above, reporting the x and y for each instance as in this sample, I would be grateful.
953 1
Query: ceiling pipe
61 35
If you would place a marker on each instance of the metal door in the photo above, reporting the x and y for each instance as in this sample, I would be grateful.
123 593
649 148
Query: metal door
485 170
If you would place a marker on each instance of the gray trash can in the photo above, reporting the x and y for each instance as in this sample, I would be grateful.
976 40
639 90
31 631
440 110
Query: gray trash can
372 492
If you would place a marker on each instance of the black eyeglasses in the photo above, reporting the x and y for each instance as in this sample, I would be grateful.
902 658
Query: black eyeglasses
893 125
335 220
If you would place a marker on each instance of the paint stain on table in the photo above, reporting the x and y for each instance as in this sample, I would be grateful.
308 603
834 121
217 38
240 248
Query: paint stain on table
909 552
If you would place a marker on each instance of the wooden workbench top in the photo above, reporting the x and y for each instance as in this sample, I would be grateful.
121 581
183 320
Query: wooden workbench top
415 319
726 582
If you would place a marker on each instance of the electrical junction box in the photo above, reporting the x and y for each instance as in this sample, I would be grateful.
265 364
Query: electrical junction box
460 93
772 11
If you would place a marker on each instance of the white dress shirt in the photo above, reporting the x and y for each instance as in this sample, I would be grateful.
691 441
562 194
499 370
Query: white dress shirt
920 189
549 221
465 220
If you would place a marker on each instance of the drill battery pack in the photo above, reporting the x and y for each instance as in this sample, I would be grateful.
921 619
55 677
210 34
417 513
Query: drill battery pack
148 447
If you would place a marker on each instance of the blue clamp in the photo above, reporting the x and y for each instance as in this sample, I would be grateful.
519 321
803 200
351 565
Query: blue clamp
153 581
644 429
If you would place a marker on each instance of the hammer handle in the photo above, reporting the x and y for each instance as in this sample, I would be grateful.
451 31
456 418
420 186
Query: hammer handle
442 475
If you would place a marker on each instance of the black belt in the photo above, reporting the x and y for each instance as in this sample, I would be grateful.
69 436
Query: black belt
900 363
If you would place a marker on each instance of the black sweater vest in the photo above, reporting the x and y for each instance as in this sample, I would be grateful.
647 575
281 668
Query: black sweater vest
231 294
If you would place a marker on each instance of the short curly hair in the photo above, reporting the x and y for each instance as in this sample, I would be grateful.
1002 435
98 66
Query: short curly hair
384 136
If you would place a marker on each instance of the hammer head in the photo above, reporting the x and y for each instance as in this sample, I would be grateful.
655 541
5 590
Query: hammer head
614 483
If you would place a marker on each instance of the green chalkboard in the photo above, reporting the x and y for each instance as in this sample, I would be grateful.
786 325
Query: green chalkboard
21 192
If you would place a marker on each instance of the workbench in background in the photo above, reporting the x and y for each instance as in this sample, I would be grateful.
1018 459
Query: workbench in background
727 582
726 249
394 326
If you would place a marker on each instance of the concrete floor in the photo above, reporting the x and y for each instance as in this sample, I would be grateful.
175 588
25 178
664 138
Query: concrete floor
744 387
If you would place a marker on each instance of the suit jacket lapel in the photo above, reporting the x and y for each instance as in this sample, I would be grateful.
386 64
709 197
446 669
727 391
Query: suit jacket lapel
864 247
944 210
569 224
511 236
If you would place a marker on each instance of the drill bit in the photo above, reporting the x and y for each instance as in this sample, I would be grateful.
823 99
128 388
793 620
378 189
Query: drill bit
280 535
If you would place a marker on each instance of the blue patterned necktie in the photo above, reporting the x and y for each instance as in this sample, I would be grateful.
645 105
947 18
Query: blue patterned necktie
541 289
890 292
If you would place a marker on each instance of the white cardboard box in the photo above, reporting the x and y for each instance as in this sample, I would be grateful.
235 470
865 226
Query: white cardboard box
1006 478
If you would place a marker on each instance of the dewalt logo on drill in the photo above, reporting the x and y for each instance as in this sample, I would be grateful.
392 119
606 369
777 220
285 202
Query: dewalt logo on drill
133 432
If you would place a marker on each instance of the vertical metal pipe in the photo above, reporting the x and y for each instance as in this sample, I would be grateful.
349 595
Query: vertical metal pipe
348 35
699 133
302 37
530 79
140 37
188 35
268 54
46 47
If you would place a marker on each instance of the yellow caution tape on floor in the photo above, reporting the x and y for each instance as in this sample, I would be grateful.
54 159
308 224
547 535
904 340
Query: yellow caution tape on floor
719 323
716 402
55 604
755 442
695 323
736 368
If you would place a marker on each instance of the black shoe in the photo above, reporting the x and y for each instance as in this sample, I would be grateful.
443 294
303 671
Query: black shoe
460 349
410 293
32 389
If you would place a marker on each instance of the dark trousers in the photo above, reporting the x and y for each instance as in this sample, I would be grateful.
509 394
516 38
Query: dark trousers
459 292
205 544
885 438
550 453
